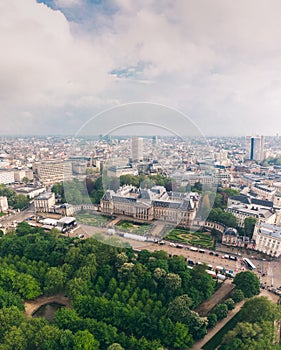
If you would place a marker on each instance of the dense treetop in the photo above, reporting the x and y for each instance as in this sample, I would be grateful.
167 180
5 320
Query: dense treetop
119 299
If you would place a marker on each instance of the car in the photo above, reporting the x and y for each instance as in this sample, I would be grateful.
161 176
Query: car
172 244
211 253
216 254
81 236
180 246
162 243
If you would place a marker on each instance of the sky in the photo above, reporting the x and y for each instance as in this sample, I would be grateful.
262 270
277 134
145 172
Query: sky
217 62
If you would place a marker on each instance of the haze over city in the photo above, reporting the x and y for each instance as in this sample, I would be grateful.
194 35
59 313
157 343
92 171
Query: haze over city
64 61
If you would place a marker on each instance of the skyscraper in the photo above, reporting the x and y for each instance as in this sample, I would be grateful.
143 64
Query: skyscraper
255 148
137 148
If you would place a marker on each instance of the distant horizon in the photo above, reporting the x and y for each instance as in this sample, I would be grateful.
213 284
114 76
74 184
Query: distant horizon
130 135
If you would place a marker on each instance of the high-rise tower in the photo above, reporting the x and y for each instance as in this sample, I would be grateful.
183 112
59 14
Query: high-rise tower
137 149
255 148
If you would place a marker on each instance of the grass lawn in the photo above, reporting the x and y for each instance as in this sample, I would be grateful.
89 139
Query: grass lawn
133 227
201 239
92 219
2 214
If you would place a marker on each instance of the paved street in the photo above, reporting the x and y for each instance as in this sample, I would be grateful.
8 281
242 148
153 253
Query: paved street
270 269
7 220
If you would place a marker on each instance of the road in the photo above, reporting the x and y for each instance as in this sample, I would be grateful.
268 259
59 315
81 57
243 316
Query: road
7 221
270 269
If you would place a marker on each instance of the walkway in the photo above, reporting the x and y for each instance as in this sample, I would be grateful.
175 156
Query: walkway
231 314
32 305
216 298
218 327
157 228
113 222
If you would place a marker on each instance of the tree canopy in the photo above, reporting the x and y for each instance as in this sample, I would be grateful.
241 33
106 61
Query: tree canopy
248 282
119 299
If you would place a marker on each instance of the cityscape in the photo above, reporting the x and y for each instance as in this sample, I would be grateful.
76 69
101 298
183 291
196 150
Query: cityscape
201 199
140 175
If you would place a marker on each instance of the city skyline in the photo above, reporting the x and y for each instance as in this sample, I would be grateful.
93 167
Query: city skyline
66 61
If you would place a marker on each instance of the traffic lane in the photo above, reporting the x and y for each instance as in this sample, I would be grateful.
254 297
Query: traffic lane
195 256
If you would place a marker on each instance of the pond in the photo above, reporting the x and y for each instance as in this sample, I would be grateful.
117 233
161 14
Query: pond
47 311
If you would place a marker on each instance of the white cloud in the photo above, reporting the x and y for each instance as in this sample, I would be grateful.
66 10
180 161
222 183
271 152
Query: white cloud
215 60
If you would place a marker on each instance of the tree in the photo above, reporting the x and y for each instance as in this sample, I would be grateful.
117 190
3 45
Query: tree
237 295
21 201
26 286
249 226
47 338
250 336
212 320
220 311
84 340
23 228
219 215
181 337
179 309
115 346
172 282
121 259
54 281
9 317
15 339
25 180
248 282
229 303
259 309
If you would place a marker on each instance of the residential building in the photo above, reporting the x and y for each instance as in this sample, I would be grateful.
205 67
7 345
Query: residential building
30 192
7 177
50 172
268 239
45 202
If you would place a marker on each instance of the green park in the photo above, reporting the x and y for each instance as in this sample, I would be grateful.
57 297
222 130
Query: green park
133 227
198 238
92 219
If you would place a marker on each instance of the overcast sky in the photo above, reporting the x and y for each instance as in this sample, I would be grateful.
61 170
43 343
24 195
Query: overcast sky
216 61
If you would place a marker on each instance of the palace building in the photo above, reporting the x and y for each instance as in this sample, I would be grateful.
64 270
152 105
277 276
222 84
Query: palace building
151 204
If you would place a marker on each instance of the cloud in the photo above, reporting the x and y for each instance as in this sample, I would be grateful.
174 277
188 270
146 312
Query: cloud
218 61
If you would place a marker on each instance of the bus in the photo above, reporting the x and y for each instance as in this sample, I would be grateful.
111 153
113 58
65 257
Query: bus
249 264
212 273
193 249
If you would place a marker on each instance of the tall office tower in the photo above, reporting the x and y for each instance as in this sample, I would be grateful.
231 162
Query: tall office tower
255 147
137 148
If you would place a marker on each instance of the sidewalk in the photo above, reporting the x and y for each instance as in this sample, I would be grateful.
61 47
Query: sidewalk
231 314
218 327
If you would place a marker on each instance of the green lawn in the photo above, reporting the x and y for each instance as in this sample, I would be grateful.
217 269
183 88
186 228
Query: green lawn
133 227
92 219
201 239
